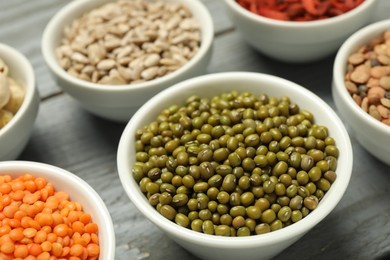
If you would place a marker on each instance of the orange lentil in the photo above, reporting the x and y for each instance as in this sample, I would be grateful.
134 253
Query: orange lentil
65 251
93 250
61 196
64 212
20 214
44 219
52 237
76 250
61 230
95 238
14 223
5 188
7 247
29 232
91 228
17 195
40 182
30 257
5 200
40 237
56 249
85 254
73 216
44 194
21 251
47 229
37 222
9 211
52 202
16 234
57 219
35 249
30 198
17 186
80 241
43 256
85 218
39 204
78 226
66 241
86 237
30 185
46 246
34 224
5 229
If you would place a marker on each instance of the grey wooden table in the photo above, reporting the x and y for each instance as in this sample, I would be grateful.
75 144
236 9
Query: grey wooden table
66 136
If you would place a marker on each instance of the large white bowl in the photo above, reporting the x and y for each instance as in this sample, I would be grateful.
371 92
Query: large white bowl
78 190
15 135
112 101
298 41
369 132
254 247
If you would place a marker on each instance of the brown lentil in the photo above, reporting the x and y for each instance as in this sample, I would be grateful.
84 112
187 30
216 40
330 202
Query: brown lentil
368 77
128 42
260 173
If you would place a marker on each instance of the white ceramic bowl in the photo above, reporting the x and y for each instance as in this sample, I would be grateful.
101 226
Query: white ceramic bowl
298 41
254 247
369 132
15 135
79 191
112 101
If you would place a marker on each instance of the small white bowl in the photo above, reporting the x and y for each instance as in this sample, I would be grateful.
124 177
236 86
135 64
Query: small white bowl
16 133
373 135
115 102
78 190
257 246
298 41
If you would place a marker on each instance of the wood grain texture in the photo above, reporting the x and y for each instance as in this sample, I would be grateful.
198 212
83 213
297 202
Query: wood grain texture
67 136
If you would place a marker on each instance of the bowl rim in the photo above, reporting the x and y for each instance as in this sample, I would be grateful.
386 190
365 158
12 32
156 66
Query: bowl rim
206 30
188 235
48 170
353 43
233 5
7 52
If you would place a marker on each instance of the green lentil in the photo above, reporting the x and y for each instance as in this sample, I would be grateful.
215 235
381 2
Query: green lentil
235 164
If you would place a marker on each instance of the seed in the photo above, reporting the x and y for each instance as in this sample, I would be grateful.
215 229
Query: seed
163 38
374 85
11 95
217 175
106 64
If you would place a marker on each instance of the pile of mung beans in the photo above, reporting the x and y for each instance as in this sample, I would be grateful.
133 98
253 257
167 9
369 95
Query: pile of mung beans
368 77
127 42
236 164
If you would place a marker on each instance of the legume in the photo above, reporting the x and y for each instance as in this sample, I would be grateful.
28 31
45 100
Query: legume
126 42
37 221
253 177
11 95
368 77
299 10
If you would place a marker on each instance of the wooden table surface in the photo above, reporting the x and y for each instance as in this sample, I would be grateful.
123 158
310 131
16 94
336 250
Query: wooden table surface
65 135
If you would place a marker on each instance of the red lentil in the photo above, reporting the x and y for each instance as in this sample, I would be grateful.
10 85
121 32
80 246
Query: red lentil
299 10
37 222
368 77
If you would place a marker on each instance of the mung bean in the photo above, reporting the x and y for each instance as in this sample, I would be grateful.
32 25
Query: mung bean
235 164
